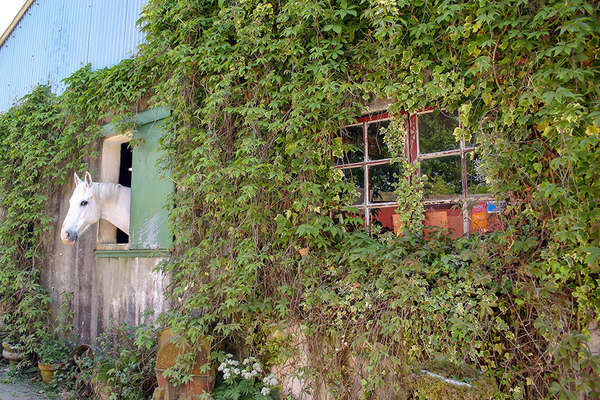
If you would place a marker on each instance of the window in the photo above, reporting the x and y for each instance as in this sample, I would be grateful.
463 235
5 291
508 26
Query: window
440 154
137 167
116 167
454 181
368 163
455 191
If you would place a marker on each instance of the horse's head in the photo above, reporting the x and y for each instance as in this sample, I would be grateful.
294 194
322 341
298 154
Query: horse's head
83 210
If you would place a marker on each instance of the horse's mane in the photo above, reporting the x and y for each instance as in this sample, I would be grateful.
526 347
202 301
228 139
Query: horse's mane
106 190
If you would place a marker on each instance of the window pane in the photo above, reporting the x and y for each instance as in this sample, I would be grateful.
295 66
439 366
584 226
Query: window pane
476 175
382 182
443 177
436 132
377 148
357 177
352 142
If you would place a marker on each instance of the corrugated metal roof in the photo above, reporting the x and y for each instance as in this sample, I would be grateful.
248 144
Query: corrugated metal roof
55 38
15 20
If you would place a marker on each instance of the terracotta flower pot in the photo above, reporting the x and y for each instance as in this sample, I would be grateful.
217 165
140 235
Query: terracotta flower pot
170 347
48 371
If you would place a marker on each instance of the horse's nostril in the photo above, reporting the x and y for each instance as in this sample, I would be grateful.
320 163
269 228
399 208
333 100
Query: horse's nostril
71 236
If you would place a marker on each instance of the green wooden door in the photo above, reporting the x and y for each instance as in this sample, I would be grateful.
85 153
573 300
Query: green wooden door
150 189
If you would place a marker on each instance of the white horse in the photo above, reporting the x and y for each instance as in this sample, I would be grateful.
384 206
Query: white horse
92 201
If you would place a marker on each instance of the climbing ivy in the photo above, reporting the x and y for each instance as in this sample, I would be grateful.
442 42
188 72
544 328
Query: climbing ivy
258 90
43 139
23 299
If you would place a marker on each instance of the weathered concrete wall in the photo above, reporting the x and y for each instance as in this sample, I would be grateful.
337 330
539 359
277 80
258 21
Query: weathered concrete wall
126 289
120 289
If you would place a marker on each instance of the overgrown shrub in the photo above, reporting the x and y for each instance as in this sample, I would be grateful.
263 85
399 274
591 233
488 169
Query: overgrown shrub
258 89
125 366
122 366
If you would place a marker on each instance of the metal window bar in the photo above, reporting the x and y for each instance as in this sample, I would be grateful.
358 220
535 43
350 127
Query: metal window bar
463 199
413 134
366 204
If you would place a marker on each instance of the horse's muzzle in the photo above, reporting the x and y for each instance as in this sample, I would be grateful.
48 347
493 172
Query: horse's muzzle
69 236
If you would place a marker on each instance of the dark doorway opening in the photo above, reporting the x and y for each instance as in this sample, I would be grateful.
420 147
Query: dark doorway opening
125 180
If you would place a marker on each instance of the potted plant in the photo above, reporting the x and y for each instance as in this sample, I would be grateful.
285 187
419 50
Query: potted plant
12 352
51 357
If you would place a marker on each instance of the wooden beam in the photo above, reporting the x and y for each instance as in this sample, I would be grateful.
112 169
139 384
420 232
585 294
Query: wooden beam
15 21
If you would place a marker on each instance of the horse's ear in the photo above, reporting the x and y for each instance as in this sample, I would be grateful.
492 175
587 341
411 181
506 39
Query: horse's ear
88 179
76 179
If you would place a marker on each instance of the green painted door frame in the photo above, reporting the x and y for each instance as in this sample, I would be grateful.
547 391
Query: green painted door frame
151 188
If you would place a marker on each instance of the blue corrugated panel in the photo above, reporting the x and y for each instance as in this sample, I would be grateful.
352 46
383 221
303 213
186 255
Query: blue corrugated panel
57 37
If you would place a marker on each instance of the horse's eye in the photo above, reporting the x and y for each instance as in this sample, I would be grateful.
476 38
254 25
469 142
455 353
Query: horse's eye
83 203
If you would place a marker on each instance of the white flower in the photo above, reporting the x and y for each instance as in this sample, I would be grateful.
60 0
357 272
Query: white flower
236 371
257 367
222 366
270 380
249 360
265 391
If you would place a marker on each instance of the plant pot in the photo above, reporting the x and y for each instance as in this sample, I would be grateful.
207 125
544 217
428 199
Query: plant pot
11 353
48 370
170 347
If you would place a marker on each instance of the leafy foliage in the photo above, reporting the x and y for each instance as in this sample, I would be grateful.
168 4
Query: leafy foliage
254 109
30 143
74 379
126 366
121 367
53 351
